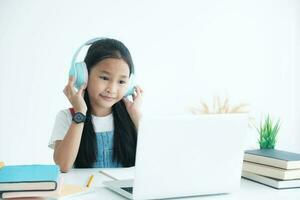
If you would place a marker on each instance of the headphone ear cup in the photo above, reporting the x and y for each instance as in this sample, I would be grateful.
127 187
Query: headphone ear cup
131 85
79 71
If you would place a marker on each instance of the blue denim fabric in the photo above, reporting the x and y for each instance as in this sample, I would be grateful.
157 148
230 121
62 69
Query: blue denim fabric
105 151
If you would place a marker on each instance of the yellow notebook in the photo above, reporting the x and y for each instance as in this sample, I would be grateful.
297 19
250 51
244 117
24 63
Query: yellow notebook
1 164
69 190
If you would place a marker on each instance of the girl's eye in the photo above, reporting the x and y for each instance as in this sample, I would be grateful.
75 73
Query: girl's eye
103 78
122 82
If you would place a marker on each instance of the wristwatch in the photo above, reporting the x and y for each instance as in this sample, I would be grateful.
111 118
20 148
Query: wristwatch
78 117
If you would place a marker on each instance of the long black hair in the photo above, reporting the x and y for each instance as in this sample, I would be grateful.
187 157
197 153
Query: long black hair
125 133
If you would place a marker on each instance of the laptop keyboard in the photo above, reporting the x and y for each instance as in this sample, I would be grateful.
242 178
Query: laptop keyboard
127 189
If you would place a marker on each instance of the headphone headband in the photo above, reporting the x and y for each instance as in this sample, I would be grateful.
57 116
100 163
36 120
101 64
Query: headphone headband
89 42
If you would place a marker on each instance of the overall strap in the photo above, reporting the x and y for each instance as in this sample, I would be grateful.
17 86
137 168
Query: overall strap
72 111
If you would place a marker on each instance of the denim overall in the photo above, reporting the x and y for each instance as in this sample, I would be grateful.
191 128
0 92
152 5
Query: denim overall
105 150
105 142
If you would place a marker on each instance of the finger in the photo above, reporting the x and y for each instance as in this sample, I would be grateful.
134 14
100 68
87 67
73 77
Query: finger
137 98
85 85
126 101
137 94
139 89
65 91
134 94
81 89
71 90
71 81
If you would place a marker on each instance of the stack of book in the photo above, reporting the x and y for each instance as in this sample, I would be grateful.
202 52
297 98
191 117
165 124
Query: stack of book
275 168
21 181
29 181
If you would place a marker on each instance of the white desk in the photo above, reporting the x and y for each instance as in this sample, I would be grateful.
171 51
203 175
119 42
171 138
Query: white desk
249 190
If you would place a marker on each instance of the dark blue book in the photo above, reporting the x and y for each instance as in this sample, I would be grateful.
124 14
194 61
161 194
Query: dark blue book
29 178
273 157
272 182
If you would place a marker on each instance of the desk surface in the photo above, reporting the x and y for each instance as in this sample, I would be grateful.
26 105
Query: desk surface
249 190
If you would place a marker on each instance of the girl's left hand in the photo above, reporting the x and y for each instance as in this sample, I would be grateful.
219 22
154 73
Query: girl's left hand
134 107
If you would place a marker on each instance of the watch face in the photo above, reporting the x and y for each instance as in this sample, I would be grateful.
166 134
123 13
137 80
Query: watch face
79 117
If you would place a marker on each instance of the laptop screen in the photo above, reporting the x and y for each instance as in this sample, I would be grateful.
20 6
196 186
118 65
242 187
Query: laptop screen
127 189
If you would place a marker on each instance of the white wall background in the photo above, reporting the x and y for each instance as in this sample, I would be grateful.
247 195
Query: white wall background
184 52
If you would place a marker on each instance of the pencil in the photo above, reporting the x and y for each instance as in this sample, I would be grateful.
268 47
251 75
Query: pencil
90 181
1 164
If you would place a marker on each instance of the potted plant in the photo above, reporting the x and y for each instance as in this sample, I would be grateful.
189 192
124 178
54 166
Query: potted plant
268 133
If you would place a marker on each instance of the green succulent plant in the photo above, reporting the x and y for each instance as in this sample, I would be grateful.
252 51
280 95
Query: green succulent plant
268 133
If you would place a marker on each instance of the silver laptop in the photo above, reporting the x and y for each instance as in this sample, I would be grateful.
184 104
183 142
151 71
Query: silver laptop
190 155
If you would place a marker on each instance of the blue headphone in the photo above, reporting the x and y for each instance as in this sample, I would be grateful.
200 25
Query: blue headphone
80 72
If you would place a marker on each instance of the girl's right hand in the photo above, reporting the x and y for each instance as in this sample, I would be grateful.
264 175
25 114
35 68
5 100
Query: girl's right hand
76 98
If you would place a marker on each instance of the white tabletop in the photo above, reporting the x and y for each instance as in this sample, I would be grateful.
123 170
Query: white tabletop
249 190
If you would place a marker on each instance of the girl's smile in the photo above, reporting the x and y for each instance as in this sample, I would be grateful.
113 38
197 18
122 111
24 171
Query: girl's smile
107 98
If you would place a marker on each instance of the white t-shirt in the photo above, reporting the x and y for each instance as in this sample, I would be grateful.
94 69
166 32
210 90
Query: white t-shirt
63 122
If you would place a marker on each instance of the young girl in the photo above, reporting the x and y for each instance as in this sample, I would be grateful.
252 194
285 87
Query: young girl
108 136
